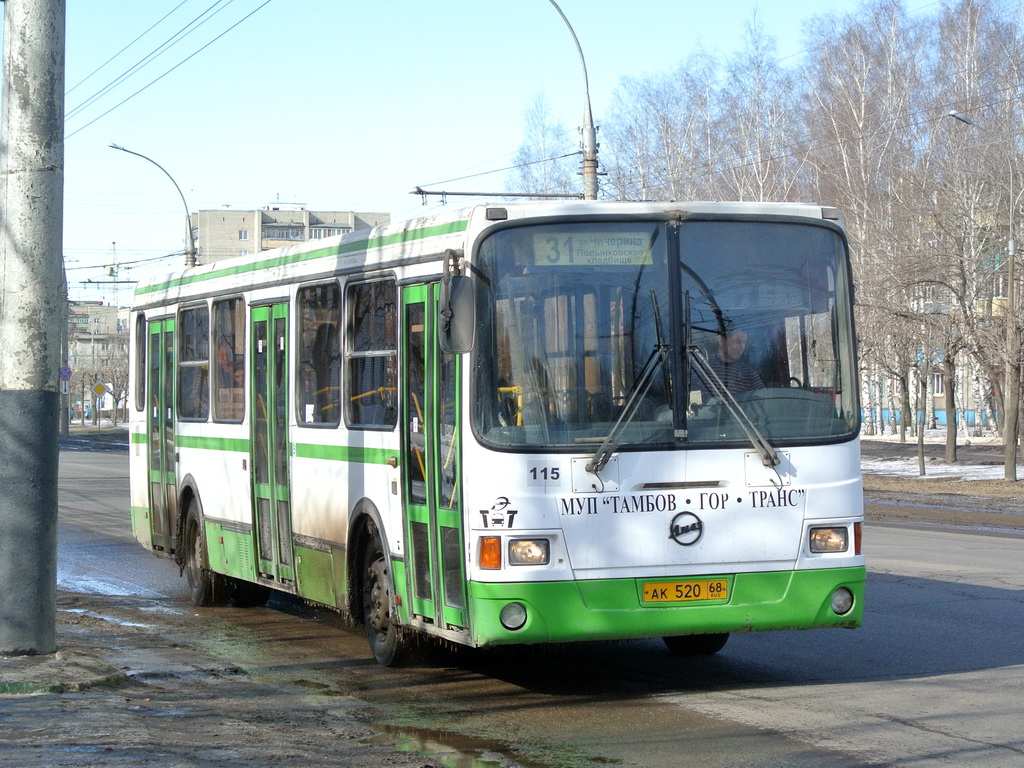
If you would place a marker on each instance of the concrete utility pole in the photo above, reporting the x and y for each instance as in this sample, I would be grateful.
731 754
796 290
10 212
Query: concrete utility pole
589 131
31 270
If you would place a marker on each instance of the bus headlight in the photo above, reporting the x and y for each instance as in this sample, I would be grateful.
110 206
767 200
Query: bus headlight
829 540
529 552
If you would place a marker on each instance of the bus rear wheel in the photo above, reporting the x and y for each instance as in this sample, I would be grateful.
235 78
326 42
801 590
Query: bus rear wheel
696 645
205 587
388 643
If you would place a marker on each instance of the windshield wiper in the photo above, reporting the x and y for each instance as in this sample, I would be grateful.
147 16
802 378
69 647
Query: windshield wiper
639 390
768 455
641 385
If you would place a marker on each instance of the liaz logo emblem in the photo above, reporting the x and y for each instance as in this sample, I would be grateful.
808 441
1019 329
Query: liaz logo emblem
499 515
686 529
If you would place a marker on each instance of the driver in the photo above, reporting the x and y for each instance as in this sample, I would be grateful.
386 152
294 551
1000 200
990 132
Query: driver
731 365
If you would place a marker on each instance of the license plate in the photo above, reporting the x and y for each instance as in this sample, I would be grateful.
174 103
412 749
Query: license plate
686 591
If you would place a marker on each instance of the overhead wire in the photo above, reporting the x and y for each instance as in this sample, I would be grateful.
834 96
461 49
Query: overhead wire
739 161
136 262
501 170
129 45
165 46
172 69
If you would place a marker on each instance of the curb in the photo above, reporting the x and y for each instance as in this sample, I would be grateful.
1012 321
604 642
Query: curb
92 444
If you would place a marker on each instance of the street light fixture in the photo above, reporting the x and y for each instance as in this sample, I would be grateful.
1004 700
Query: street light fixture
1011 391
190 242
589 132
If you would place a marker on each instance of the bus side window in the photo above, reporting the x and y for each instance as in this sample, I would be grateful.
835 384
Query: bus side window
194 364
371 354
141 339
320 355
229 351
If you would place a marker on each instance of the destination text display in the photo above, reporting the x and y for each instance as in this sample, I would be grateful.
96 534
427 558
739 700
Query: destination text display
591 249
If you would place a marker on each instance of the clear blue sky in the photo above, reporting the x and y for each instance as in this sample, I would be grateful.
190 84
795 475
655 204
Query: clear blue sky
341 104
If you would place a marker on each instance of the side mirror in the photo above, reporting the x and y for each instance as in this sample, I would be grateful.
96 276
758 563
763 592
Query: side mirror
456 322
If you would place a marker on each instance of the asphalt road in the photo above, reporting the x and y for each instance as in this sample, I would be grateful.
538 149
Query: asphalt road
932 679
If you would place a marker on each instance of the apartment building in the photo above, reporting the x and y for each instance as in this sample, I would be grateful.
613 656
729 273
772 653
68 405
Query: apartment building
225 233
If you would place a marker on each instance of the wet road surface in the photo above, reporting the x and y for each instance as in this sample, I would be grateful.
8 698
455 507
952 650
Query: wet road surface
932 679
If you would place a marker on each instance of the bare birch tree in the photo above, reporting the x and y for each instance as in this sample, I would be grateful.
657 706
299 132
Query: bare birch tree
546 160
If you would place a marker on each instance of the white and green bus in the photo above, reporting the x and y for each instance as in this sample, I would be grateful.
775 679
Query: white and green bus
527 423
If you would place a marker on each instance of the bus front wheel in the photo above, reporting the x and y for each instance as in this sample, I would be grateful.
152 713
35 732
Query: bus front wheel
696 645
387 642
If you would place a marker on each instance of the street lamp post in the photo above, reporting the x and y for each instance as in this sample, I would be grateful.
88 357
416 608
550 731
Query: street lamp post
1011 389
589 132
190 243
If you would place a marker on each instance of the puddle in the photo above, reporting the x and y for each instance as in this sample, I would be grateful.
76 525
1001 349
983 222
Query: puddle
453 750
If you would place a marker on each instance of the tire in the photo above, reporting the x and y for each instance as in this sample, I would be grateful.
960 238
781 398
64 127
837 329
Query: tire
206 588
696 645
388 643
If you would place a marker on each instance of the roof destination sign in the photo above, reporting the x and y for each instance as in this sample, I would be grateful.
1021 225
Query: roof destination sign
592 249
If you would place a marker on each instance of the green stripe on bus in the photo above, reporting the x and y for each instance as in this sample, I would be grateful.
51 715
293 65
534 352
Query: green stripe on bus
343 249
301 450
343 453
241 445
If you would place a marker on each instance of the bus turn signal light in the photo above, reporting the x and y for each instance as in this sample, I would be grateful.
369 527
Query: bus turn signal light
490 552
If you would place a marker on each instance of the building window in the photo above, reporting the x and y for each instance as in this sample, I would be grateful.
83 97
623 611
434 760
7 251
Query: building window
229 350
319 308
283 233
194 364
319 233
371 351
938 385
243 234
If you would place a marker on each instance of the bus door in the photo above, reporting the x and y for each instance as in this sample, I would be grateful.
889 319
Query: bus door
431 455
271 498
163 487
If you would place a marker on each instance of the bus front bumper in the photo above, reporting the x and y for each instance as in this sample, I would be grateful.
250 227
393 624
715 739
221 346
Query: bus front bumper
615 609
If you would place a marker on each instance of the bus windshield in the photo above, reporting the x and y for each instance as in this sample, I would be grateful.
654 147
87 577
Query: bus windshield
658 332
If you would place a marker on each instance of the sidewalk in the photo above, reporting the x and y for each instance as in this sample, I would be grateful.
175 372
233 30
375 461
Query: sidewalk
104 437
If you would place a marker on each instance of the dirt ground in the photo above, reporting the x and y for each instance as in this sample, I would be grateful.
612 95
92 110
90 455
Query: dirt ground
947 501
